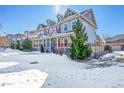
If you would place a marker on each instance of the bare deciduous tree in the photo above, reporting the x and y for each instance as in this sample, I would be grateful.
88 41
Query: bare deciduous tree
106 36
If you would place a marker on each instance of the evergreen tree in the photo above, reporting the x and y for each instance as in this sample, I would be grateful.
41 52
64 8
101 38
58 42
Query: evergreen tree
27 44
80 49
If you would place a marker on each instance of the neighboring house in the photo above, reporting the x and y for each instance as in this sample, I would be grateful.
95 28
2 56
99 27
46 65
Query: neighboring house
4 41
99 41
56 35
33 36
13 38
30 34
117 42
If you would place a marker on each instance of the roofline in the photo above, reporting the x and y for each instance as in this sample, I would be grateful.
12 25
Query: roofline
74 17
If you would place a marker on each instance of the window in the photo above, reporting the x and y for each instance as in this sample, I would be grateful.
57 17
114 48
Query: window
45 33
69 14
73 25
48 42
48 32
65 27
58 19
42 33
58 28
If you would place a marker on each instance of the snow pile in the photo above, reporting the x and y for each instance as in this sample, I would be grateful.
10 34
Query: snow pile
112 56
29 78
7 64
4 54
119 52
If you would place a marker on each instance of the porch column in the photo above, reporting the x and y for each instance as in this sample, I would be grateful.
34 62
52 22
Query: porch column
49 44
45 44
38 45
57 43
32 43
63 39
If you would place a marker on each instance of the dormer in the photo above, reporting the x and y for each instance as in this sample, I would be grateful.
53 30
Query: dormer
59 17
88 14
40 26
69 12
50 22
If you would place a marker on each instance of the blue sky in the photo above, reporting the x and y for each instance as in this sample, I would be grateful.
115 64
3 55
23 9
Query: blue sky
17 19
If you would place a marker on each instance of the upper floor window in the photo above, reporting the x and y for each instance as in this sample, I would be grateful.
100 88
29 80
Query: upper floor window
45 33
74 25
59 19
48 32
65 27
58 28
69 14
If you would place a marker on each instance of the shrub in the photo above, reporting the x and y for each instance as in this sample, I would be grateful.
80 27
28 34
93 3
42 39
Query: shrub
18 45
109 48
21 49
41 49
12 46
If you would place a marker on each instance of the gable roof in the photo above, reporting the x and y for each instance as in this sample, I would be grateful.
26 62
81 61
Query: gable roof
59 15
83 12
88 14
68 11
53 33
50 22
40 26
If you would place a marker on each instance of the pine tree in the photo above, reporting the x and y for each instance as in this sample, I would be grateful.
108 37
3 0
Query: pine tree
80 49
27 44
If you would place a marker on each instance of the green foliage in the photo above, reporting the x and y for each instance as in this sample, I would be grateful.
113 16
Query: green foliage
27 44
18 45
12 46
79 50
109 48
41 49
20 49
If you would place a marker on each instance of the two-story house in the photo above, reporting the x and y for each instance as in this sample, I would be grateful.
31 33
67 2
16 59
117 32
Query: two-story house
56 35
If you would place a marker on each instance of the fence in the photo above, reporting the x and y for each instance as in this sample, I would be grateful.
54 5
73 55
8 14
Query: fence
117 45
97 48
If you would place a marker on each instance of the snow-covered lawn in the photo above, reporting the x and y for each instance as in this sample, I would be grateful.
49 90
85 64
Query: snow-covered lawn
29 78
62 72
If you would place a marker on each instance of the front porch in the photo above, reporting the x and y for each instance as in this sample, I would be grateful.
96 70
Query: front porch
57 44
53 43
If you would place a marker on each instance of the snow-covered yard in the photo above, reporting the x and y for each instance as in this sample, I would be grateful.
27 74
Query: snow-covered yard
19 69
